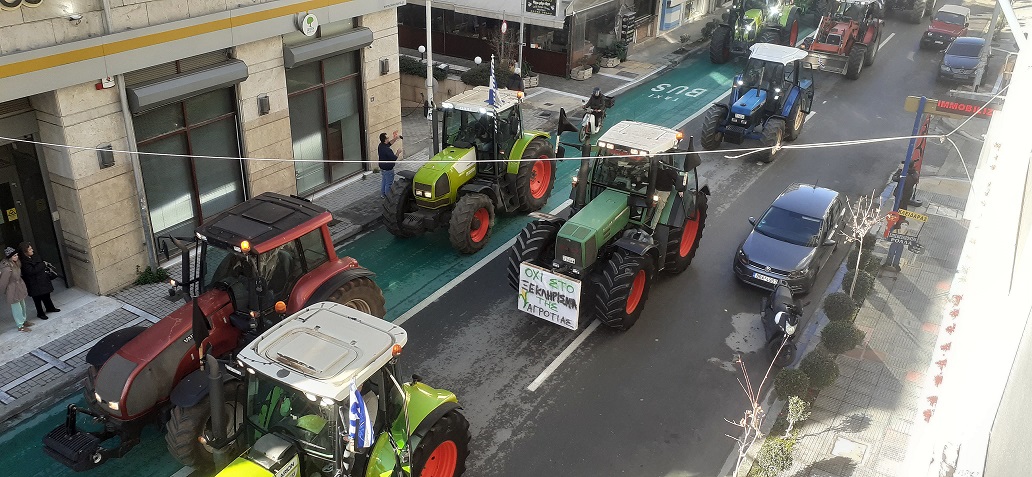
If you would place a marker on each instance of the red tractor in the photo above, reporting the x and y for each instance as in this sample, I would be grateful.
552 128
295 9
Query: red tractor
263 259
846 41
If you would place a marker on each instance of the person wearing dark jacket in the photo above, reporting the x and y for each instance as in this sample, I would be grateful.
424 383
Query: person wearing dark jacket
387 158
34 272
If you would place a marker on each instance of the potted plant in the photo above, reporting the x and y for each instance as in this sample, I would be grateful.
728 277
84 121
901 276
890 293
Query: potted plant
582 70
613 54
530 77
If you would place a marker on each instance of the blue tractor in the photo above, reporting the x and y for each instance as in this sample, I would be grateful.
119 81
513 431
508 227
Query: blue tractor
769 101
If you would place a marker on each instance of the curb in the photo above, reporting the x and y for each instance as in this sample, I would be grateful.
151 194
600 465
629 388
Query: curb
42 398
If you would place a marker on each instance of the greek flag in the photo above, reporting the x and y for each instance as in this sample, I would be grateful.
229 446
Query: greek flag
492 87
360 423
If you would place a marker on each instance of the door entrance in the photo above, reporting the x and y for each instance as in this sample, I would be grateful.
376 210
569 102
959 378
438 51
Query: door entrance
25 214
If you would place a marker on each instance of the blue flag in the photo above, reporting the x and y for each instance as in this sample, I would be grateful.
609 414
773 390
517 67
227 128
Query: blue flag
492 87
360 423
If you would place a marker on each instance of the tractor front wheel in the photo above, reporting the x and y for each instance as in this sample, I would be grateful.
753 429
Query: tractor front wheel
855 63
185 425
443 452
711 122
684 242
872 48
915 15
770 35
720 45
535 178
796 119
399 202
622 289
773 133
536 242
471 223
361 294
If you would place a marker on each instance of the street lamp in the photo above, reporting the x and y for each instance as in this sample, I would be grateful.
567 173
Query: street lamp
422 53
477 60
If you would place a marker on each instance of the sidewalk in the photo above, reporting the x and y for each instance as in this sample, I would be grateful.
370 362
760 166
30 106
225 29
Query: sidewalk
42 367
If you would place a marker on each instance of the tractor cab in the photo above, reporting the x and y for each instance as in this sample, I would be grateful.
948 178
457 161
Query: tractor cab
323 399
468 121
770 79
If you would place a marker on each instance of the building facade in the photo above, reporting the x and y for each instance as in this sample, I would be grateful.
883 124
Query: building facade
124 122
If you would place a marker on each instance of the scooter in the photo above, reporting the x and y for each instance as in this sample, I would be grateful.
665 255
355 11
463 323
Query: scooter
780 317
591 123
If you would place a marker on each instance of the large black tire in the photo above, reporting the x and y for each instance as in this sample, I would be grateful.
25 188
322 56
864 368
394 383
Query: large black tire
471 222
855 63
711 137
720 45
679 256
916 14
445 447
824 7
535 179
536 242
361 294
796 118
623 289
185 425
872 48
399 201
770 35
790 35
773 134
929 8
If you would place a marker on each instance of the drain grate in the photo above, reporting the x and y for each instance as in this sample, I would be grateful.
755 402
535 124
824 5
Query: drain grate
544 114
547 104
627 74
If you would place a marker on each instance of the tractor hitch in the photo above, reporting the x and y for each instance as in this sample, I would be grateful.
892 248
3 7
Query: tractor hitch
82 450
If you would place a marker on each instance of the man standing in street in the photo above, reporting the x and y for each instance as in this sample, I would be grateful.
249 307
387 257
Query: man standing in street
387 160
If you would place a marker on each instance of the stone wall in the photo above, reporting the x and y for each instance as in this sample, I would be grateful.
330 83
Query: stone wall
382 100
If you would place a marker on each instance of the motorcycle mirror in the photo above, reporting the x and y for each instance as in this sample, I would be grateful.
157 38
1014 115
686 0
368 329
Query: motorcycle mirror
164 249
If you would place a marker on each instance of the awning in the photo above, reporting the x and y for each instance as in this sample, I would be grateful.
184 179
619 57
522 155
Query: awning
579 6
508 10
322 48
176 88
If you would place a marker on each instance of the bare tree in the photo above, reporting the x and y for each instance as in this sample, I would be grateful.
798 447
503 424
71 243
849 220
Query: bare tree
864 213
505 46
752 418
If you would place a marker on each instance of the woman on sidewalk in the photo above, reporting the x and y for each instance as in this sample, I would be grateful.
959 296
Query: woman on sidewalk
34 272
13 287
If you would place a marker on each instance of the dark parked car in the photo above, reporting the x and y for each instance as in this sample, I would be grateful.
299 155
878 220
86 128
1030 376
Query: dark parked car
792 240
962 60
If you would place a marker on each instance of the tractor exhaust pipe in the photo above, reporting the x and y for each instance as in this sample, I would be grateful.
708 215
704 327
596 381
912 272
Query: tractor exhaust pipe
217 398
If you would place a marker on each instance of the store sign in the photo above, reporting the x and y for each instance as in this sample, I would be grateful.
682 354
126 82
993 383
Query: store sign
902 239
549 296
12 4
308 24
541 7
913 215
964 108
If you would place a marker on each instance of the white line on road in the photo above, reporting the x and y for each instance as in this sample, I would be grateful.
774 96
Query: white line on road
621 78
697 113
538 381
886 40
809 116
635 81
464 275
555 91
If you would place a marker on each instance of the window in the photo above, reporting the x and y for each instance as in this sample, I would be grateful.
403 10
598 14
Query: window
281 268
325 121
184 191
314 249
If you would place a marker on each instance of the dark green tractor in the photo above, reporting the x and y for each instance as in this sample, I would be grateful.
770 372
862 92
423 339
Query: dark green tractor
487 164
639 208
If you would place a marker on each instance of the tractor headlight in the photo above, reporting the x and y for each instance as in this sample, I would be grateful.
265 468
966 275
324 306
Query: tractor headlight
113 406
774 10
739 116
740 82
748 28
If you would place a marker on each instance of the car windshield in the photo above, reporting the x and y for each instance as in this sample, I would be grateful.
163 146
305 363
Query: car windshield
791 227
273 407
465 129
628 175
947 17
970 50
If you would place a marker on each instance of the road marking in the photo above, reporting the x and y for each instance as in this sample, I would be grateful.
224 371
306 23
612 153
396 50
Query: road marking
184 472
538 381
621 78
635 81
464 275
697 113
563 93
808 116
886 40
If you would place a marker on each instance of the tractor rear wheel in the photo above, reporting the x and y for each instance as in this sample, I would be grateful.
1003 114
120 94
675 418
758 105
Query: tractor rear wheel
855 63
534 179
915 15
399 201
443 452
711 122
790 36
773 134
796 118
623 287
536 243
770 35
720 45
185 425
471 223
684 242
361 294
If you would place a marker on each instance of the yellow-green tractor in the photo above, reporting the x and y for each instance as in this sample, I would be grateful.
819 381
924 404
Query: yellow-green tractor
754 21
488 163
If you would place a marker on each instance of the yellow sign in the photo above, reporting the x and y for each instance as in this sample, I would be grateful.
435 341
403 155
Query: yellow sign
12 214
913 215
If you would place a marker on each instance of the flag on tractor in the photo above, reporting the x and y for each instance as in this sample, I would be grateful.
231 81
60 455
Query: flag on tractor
492 87
360 423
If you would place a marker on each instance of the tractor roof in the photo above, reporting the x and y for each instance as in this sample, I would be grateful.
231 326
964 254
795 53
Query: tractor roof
776 53
266 221
959 10
321 349
648 138
475 99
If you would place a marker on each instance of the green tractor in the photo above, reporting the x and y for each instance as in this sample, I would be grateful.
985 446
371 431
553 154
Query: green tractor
639 208
754 21
487 163
302 417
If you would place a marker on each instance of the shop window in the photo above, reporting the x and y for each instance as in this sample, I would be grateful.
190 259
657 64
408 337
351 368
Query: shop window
325 121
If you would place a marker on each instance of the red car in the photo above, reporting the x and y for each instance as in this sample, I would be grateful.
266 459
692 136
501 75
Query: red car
950 22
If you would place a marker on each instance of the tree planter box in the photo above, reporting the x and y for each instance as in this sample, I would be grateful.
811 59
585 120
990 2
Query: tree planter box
530 81
580 73
609 62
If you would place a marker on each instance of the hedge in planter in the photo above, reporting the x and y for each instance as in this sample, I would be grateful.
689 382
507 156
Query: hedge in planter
864 284
821 368
841 336
851 263
775 456
790 382
839 306
480 75
412 66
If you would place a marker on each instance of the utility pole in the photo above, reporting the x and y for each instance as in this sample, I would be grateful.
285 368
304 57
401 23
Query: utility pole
523 21
431 107
989 42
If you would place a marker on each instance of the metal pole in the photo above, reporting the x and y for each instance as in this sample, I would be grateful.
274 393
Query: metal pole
217 398
431 107
523 21
988 41
896 249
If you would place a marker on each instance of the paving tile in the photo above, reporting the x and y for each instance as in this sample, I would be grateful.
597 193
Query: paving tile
84 334
17 367
40 380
